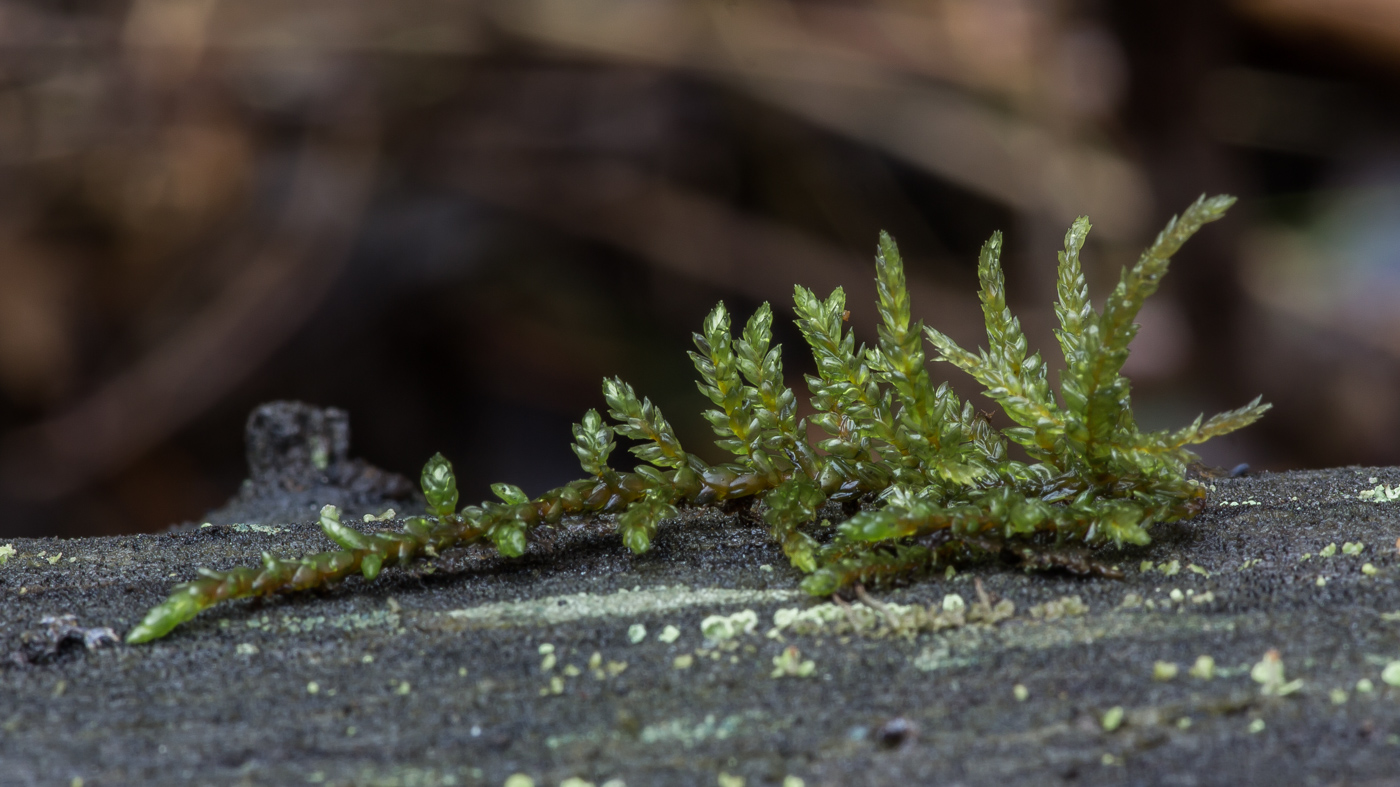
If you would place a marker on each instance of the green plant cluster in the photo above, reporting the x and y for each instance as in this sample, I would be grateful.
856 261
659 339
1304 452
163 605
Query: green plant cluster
935 479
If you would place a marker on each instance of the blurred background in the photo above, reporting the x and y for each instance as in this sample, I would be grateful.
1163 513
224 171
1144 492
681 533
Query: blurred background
453 218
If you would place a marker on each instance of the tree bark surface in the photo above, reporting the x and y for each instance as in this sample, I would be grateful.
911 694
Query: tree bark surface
470 668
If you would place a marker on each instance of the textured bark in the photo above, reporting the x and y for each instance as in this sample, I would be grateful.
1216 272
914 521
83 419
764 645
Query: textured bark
226 698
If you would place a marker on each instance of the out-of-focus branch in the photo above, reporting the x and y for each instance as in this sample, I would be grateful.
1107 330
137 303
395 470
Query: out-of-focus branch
1373 25
692 235
931 87
273 296
944 131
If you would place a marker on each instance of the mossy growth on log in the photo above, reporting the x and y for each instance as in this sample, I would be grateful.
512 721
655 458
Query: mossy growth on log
934 478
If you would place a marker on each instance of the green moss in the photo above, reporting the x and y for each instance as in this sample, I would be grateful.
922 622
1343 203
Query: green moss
938 480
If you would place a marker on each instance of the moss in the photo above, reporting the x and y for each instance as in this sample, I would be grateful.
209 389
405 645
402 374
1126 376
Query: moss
941 482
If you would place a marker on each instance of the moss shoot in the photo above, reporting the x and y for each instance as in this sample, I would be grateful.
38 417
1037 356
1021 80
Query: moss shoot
938 484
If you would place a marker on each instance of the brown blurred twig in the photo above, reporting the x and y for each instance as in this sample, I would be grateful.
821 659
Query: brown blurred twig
759 48
274 294
691 234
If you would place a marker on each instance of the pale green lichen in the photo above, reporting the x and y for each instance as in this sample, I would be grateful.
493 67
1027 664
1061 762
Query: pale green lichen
889 619
404 776
973 645
719 628
1065 606
557 610
1390 675
1381 493
1204 668
690 734
352 621
6 552
1269 674
790 664
1112 718
240 527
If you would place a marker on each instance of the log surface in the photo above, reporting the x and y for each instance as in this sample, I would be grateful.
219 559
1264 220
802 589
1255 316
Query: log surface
470 668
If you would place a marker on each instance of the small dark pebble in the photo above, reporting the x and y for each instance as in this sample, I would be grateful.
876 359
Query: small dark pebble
59 634
896 732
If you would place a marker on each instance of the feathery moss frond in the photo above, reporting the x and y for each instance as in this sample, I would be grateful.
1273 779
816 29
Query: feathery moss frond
1219 424
734 421
924 431
1072 307
641 420
1096 394
1016 382
593 442
845 395
934 474
439 486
